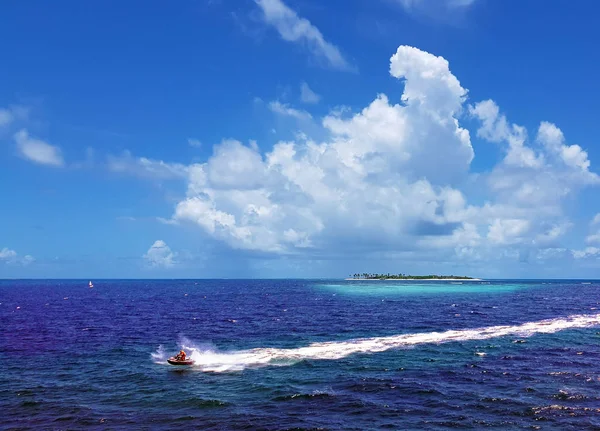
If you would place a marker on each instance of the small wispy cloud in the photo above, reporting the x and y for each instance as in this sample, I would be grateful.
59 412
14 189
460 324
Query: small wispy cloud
449 11
194 143
12 114
284 109
9 256
167 221
594 237
6 117
307 95
293 28
586 253
38 151
126 218
416 4
144 167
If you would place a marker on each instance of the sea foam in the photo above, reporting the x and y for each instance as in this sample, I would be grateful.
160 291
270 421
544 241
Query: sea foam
209 359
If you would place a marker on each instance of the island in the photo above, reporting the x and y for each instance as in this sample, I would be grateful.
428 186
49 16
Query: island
388 276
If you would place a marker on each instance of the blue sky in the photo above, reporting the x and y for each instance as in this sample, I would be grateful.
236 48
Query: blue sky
299 138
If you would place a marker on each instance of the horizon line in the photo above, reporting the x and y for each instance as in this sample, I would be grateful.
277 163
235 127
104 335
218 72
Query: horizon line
276 278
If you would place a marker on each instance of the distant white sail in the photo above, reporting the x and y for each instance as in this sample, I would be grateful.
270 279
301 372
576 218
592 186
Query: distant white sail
91 285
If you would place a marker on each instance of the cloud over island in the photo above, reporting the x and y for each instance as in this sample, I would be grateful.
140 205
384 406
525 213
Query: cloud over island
394 177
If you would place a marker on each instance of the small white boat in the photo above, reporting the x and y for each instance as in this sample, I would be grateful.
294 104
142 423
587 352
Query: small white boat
91 285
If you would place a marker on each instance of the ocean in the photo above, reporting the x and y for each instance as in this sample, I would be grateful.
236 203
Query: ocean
300 354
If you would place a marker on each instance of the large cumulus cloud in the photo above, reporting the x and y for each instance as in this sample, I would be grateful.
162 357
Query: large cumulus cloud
391 178
384 175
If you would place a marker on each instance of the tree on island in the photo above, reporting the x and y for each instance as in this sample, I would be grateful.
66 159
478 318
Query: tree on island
400 276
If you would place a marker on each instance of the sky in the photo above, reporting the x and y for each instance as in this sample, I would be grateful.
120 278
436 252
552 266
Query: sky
299 138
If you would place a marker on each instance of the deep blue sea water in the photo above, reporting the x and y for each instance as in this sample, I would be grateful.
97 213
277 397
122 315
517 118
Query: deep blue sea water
298 354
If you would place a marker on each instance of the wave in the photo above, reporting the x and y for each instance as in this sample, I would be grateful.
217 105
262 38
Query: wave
160 356
208 358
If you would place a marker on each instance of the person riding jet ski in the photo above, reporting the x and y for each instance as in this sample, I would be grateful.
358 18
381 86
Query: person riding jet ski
181 356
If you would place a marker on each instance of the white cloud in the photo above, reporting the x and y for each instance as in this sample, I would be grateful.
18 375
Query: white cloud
307 95
553 233
12 114
532 183
594 237
539 180
37 150
9 256
391 180
445 11
166 221
428 81
293 28
507 231
435 5
6 117
460 3
552 253
126 218
159 255
495 128
408 4
586 253
286 110
144 167
573 156
366 182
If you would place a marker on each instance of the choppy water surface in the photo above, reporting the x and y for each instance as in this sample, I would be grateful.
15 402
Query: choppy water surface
273 354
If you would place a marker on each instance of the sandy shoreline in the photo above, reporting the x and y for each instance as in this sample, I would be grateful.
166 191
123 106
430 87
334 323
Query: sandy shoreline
413 279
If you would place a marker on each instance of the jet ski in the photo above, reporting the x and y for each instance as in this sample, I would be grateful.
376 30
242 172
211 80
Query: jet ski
174 361
180 359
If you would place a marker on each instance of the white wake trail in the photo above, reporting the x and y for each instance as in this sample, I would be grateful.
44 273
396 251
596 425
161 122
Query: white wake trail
160 356
214 361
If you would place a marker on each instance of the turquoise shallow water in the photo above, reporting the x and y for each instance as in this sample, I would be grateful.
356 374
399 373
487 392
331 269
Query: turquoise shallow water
421 288
298 354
